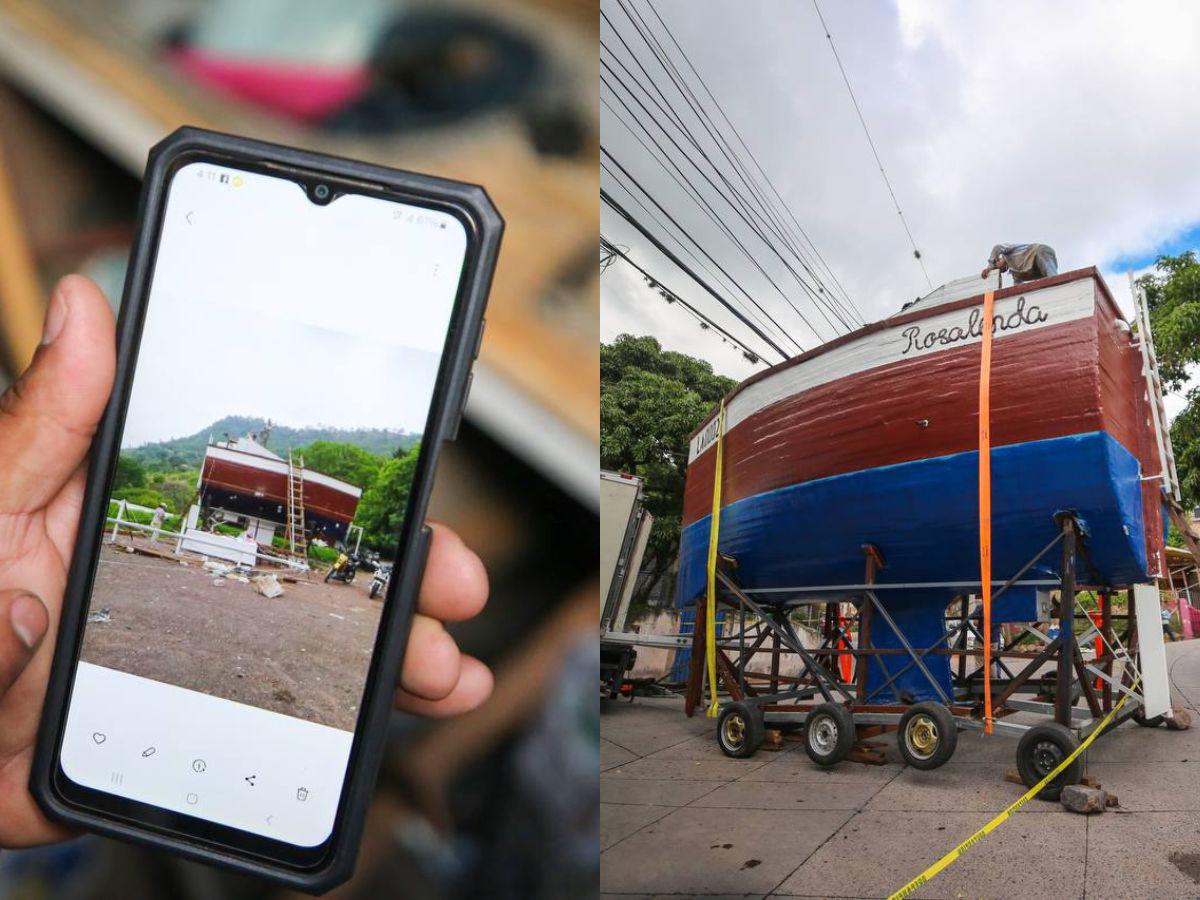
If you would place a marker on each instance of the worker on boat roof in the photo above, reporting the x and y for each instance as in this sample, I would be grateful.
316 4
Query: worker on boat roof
1024 262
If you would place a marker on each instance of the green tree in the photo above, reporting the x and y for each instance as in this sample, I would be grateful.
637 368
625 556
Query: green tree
1173 296
351 464
143 496
130 473
383 504
651 400
178 488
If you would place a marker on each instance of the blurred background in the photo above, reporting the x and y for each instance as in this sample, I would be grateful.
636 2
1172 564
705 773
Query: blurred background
501 802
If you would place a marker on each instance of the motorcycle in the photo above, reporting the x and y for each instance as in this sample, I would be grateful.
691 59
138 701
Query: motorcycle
379 581
344 568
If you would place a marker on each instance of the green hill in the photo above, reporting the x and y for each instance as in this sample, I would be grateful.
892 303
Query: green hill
187 452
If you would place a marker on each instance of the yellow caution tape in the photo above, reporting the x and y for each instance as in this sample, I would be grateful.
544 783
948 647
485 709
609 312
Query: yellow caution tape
714 529
959 851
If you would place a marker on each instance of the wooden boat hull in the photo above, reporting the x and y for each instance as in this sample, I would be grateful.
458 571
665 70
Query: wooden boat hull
873 439
256 485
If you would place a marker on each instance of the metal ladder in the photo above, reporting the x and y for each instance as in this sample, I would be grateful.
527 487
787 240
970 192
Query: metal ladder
296 541
1123 661
1154 394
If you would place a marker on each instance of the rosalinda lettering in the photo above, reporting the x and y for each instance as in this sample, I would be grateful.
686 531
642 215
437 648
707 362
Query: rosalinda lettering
917 338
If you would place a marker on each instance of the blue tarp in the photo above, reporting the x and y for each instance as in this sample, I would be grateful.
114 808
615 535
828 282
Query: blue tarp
923 516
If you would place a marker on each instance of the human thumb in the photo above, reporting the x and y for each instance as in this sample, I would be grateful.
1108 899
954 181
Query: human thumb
23 624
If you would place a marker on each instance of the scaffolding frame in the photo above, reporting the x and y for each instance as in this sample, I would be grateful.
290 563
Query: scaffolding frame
1020 682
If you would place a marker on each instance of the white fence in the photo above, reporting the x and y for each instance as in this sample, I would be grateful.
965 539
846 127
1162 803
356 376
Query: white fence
208 544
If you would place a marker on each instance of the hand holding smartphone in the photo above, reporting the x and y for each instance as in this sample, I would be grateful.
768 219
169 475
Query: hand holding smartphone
235 711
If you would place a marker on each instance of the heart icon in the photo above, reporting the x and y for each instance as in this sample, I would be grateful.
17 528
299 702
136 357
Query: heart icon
98 737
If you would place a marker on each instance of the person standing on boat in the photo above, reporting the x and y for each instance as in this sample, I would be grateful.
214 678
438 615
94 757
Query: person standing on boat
1025 262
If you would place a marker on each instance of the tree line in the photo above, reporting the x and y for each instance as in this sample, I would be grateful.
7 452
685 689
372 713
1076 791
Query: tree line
1173 297
651 400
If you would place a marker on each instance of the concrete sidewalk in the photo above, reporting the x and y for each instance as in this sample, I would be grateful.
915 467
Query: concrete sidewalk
679 818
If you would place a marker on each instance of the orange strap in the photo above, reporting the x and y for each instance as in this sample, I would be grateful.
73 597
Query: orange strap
985 502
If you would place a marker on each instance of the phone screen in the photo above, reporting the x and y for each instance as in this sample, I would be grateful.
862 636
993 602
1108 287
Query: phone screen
290 349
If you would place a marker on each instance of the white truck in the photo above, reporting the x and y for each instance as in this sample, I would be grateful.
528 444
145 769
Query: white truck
624 530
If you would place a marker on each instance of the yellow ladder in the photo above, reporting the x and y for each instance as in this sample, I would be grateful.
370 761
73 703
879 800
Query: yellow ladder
296 540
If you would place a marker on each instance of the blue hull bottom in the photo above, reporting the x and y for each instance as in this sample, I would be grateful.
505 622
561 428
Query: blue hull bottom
923 516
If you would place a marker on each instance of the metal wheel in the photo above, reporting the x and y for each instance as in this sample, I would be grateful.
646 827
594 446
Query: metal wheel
922 736
740 730
828 734
927 735
1041 750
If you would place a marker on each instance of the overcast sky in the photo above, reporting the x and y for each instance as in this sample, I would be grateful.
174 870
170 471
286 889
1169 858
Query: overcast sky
1069 123
266 304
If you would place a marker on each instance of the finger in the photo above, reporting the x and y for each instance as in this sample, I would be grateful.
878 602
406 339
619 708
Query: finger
23 624
48 416
474 686
455 586
62 513
432 661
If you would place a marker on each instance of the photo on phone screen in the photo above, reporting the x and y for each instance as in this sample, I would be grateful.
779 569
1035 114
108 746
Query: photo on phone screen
291 344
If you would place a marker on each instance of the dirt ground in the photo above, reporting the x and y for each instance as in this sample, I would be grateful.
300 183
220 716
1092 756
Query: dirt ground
304 654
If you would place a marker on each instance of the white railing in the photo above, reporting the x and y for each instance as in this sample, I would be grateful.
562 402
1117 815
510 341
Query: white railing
195 537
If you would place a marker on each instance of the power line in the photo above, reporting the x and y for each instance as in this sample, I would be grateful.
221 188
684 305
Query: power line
754 159
666 230
607 253
665 251
757 204
755 209
708 256
770 214
743 207
660 155
738 211
874 151
613 251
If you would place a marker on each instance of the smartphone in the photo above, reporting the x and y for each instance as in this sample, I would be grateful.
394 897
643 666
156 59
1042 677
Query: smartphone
294 346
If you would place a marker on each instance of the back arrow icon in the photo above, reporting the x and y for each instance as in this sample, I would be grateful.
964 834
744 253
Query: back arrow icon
189 216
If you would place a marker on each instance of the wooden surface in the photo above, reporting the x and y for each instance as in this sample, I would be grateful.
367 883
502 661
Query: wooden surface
21 303
87 64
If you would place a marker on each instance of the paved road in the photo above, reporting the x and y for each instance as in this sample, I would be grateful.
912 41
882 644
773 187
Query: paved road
679 818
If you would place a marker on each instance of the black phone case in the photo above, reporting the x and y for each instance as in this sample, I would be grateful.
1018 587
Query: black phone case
485 228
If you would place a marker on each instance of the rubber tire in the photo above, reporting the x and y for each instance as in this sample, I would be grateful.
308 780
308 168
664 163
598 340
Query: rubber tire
947 735
843 722
1076 687
753 729
374 590
1066 741
1153 722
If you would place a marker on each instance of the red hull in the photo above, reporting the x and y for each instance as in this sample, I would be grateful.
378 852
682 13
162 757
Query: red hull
259 483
